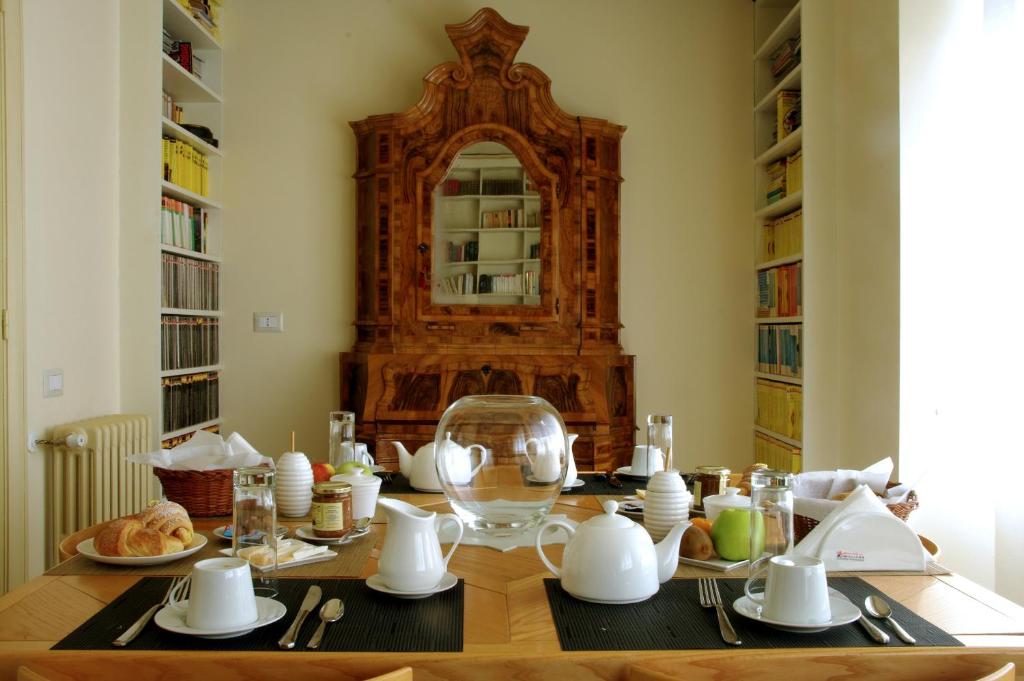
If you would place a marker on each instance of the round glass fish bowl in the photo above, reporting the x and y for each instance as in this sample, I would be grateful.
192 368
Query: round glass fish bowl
501 460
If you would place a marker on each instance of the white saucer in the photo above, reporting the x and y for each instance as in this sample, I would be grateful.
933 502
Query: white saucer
843 612
220 533
575 483
87 549
531 478
172 618
306 533
632 509
628 472
427 489
376 582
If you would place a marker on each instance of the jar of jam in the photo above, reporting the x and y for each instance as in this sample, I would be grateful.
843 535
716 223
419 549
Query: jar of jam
332 509
707 481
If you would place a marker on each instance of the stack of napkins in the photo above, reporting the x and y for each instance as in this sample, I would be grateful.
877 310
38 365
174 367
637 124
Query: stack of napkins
205 451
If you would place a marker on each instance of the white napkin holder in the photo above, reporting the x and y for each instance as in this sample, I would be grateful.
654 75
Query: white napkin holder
871 541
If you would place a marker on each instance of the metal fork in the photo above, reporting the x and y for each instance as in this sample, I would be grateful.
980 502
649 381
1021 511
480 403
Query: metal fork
181 585
710 597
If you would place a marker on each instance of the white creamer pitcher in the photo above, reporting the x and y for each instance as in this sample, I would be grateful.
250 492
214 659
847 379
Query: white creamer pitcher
410 559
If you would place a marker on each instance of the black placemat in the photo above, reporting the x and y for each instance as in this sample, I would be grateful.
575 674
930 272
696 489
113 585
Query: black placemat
399 485
672 619
373 622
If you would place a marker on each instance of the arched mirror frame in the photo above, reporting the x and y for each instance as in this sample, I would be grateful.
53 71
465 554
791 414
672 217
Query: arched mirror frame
547 186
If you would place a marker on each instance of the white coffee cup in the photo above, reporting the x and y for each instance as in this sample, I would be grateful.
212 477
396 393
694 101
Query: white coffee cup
646 462
795 590
361 454
365 488
545 464
221 597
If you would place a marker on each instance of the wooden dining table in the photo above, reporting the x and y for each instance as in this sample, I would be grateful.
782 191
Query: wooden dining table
509 631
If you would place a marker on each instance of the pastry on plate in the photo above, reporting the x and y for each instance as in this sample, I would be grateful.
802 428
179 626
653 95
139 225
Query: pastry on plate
170 519
130 537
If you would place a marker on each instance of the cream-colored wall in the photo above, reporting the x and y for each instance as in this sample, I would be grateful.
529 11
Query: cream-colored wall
677 74
867 228
71 218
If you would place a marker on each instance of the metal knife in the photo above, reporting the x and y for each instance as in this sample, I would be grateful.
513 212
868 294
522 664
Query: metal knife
873 631
309 604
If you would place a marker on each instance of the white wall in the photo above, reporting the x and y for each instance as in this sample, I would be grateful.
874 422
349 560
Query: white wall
677 74
960 261
71 220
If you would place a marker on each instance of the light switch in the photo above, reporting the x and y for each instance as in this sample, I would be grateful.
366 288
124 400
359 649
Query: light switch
53 383
268 322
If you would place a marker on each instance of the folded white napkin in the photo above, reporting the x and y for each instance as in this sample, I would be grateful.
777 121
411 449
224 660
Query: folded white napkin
861 500
874 476
205 451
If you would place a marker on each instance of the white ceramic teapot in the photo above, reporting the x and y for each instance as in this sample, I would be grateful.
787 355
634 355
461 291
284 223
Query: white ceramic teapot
421 469
611 559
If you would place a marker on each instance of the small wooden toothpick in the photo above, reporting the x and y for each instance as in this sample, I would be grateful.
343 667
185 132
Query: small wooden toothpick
293 441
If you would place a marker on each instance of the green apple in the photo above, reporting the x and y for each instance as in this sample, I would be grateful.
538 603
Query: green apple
352 468
731 533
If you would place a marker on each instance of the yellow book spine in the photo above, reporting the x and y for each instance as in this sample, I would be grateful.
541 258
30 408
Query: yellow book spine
164 158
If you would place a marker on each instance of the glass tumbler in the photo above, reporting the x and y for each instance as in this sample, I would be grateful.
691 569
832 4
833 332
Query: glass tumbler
659 436
343 438
254 526
771 516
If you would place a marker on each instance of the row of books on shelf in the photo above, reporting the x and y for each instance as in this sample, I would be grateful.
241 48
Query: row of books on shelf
785 177
785 58
778 349
511 217
783 236
206 12
487 187
525 284
171 110
172 442
467 252
183 225
189 342
185 166
534 251
788 113
181 52
779 291
780 408
190 399
190 284
777 455
459 284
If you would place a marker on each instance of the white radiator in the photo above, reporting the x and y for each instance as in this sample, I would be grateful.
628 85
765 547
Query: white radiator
93 482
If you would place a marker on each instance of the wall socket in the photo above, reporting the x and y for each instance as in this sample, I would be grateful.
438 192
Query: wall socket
268 322
53 383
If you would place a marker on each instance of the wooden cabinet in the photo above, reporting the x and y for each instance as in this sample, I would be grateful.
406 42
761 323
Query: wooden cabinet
422 342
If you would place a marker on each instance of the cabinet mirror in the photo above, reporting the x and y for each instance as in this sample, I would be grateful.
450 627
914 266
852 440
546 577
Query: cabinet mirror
487 234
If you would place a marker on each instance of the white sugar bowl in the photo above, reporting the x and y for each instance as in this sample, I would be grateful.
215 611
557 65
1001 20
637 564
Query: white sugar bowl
666 503
717 503
293 488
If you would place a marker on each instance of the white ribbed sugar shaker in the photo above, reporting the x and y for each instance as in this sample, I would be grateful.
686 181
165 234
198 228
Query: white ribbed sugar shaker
666 503
294 487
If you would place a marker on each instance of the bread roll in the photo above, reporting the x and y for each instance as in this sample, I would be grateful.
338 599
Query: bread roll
129 537
169 518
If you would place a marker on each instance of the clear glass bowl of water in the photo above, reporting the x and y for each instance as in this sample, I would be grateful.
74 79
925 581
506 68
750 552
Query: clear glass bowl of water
501 460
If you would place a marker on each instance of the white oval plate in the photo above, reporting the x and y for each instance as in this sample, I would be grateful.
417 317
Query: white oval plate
87 549
843 612
376 582
306 533
628 472
172 618
574 484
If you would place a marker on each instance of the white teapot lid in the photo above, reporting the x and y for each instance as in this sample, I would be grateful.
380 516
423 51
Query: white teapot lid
610 519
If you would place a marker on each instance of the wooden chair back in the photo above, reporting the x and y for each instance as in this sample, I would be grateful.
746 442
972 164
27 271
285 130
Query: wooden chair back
1004 673
402 674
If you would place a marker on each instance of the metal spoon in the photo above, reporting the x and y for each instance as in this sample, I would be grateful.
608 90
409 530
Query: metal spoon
331 611
878 607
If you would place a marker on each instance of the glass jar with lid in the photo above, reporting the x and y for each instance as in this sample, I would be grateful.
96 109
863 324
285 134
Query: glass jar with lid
707 481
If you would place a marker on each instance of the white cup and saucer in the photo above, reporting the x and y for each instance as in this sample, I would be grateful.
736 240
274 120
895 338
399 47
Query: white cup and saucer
221 604
646 462
795 596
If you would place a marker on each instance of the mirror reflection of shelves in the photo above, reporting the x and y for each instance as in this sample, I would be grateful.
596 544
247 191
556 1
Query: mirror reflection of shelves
487 238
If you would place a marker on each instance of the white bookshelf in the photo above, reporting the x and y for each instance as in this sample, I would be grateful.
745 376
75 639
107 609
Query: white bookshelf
463 217
775 23
202 104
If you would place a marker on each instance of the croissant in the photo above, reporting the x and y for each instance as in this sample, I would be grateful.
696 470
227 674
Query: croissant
130 537
170 518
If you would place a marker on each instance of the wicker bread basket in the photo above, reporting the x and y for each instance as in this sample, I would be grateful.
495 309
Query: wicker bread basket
803 524
202 493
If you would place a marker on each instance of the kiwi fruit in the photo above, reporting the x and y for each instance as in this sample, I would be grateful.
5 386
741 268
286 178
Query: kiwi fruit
696 543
